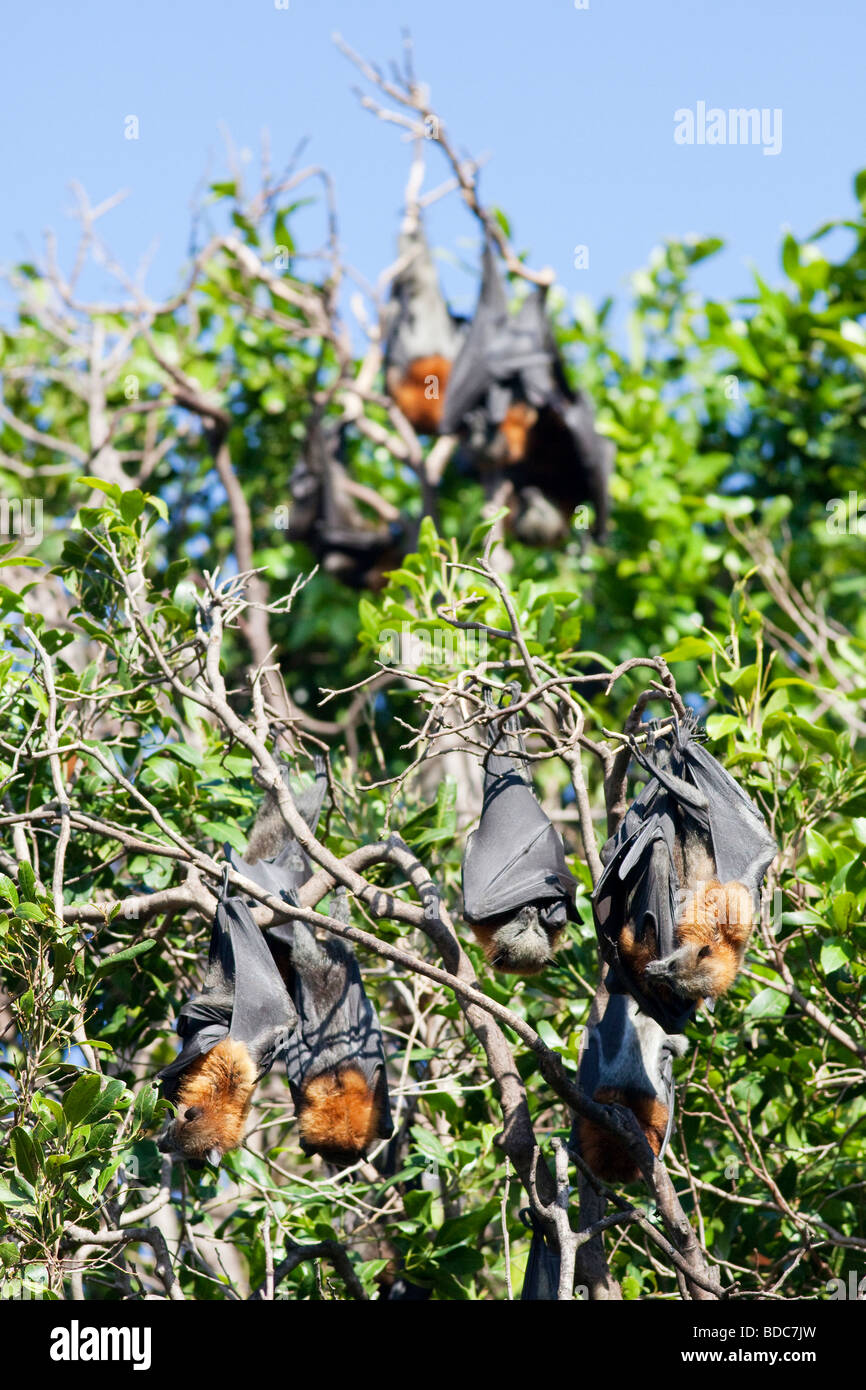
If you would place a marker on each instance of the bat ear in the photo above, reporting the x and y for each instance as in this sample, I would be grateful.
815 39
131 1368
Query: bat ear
193 1112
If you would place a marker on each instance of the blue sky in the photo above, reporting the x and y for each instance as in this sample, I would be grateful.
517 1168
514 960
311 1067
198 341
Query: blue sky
574 106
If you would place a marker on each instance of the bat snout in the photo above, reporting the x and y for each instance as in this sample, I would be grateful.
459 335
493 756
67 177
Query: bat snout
660 969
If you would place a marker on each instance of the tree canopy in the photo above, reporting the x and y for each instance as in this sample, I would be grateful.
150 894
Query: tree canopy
163 636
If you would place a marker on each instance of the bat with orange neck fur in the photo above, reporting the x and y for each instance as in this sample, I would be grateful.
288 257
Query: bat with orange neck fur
423 336
510 400
335 1060
675 904
626 1059
232 1033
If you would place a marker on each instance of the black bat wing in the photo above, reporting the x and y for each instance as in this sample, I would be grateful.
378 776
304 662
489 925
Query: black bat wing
706 792
309 795
421 322
593 456
472 376
337 1023
263 1015
516 856
243 996
528 352
541 1280
742 844
639 884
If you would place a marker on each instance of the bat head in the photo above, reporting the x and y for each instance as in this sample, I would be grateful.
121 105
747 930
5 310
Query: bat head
338 1115
193 1136
522 943
213 1101
712 934
536 520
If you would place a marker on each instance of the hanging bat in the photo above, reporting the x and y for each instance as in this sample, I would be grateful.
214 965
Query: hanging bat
273 858
336 1059
541 1280
675 904
518 892
424 336
509 397
232 1033
324 515
626 1059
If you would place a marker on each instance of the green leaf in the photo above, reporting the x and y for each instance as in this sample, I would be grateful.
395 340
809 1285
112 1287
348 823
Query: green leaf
110 489
430 1144
8 890
718 725
81 1097
26 1153
688 649
131 505
175 573
121 957
835 955
27 880
31 912
767 1004
546 622
819 848
145 1106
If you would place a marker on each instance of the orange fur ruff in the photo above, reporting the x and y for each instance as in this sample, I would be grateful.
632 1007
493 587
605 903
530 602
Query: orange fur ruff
717 919
221 1084
338 1115
604 1153
515 430
420 393
637 954
718 916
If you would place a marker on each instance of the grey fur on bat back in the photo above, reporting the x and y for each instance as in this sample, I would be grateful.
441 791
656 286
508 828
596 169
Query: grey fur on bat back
337 1024
273 858
418 320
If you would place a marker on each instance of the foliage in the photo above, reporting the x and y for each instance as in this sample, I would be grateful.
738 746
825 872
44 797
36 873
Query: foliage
736 427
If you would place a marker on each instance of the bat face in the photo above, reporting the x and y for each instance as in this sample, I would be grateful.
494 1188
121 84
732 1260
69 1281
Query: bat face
521 945
213 1102
712 935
